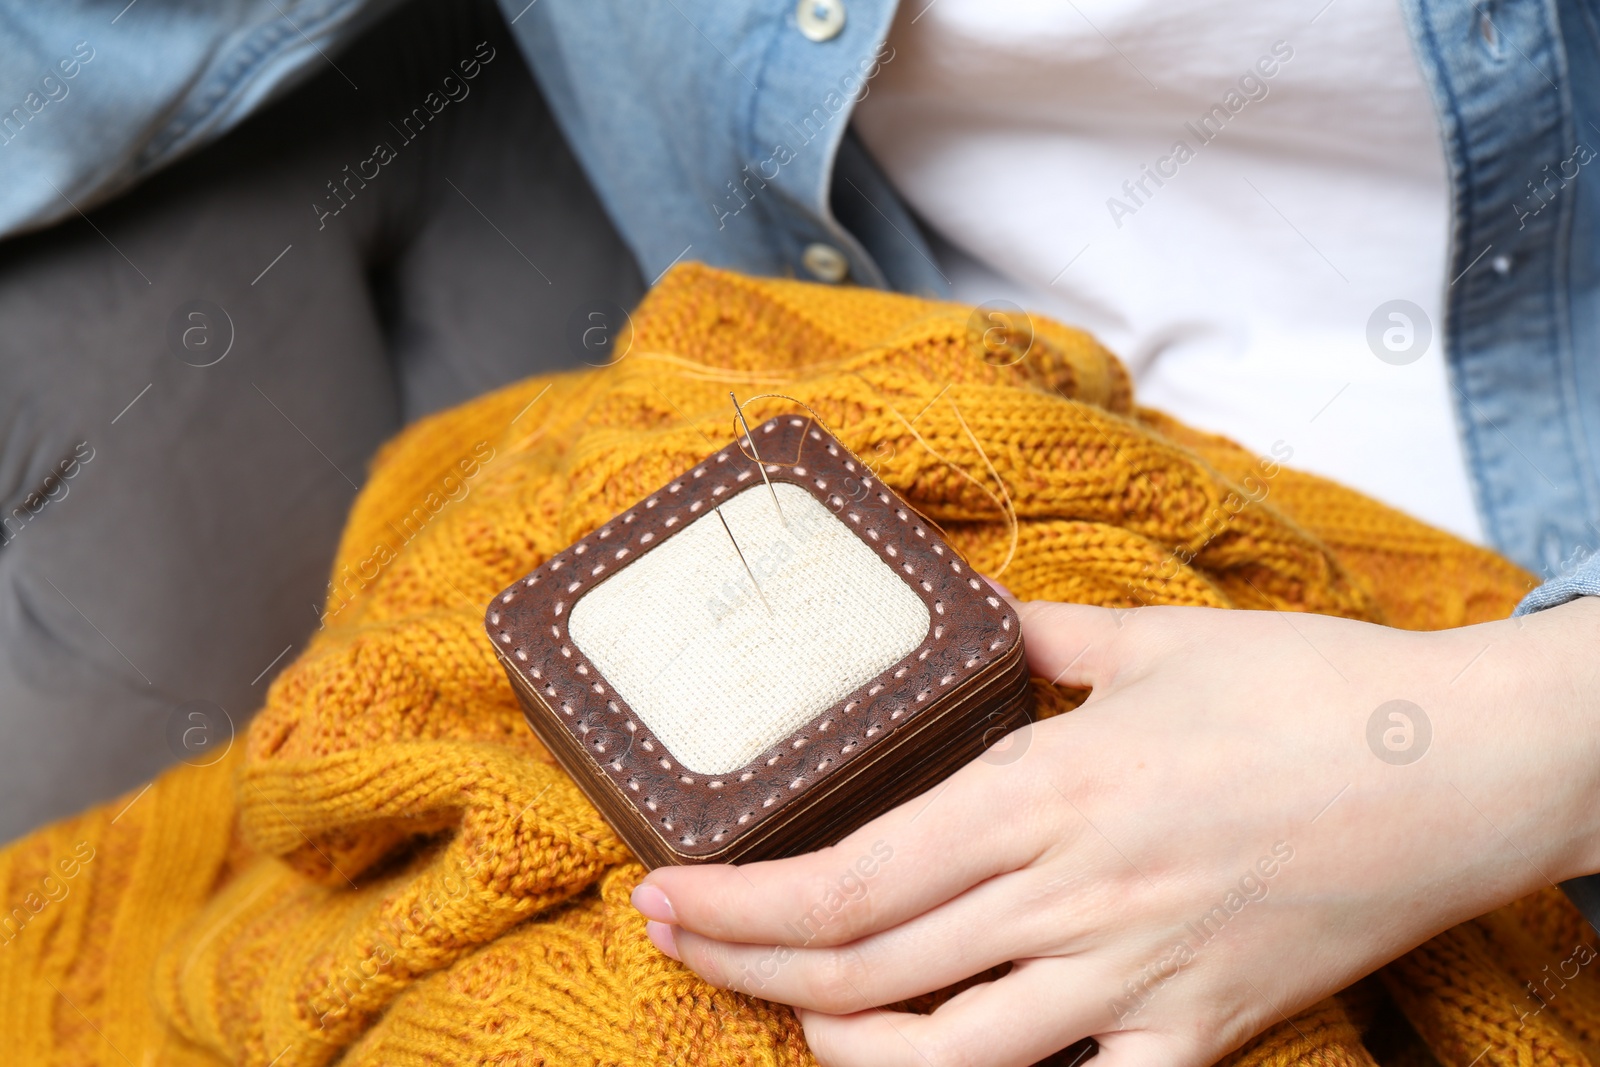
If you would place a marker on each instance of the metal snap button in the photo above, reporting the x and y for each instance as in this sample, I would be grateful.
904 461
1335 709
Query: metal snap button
825 262
819 20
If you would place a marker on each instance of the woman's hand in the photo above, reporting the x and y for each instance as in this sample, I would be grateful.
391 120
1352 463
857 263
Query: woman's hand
1235 824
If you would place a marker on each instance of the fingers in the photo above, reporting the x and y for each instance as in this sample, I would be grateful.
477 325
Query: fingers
978 930
1040 1007
1072 644
908 861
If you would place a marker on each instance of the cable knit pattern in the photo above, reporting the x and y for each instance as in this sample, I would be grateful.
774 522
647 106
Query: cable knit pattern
388 869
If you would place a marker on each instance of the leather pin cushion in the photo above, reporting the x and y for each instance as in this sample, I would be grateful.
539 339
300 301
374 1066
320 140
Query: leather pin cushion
755 660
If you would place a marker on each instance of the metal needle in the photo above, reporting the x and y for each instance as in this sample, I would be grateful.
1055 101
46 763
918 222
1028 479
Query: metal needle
718 507
746 563
762 467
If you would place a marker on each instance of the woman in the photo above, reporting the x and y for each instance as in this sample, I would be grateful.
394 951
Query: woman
1353 230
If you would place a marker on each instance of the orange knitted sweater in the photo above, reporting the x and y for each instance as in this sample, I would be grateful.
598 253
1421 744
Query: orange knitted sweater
388 869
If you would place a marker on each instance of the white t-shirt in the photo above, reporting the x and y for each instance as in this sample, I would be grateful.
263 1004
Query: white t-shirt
1226 193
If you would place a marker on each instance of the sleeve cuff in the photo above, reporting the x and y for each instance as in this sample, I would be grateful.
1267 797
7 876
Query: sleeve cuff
1581 580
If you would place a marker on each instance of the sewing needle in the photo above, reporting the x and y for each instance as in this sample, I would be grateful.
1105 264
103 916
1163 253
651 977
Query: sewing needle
746 563
718 507
760 466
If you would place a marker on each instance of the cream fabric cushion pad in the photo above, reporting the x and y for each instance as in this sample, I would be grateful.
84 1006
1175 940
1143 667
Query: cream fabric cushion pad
684 638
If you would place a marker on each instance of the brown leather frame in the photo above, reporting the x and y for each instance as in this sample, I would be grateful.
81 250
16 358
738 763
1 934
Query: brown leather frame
969 660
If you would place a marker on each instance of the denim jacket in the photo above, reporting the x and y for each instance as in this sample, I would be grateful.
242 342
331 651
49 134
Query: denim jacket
717 130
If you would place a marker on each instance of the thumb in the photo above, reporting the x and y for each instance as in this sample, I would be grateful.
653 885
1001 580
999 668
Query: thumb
1076 645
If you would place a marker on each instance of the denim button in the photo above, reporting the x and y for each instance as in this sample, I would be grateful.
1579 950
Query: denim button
825 262
820 20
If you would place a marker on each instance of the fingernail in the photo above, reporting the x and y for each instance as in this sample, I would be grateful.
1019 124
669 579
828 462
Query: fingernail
664 937
652 903
997 587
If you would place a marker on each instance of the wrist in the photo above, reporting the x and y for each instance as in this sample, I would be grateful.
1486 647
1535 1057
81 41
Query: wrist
1549 715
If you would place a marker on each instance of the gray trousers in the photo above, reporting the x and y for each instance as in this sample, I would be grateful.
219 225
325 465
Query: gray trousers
194 376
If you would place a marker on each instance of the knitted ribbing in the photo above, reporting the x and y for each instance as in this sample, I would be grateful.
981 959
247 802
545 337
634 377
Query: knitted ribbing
388 868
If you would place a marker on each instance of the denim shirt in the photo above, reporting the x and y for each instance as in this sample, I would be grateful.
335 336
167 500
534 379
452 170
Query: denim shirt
717 130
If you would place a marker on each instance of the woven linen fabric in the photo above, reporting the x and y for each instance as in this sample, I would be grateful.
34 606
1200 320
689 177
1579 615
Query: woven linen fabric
721 670
387 869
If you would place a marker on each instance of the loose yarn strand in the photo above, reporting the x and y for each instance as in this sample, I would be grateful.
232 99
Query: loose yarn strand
1007 508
